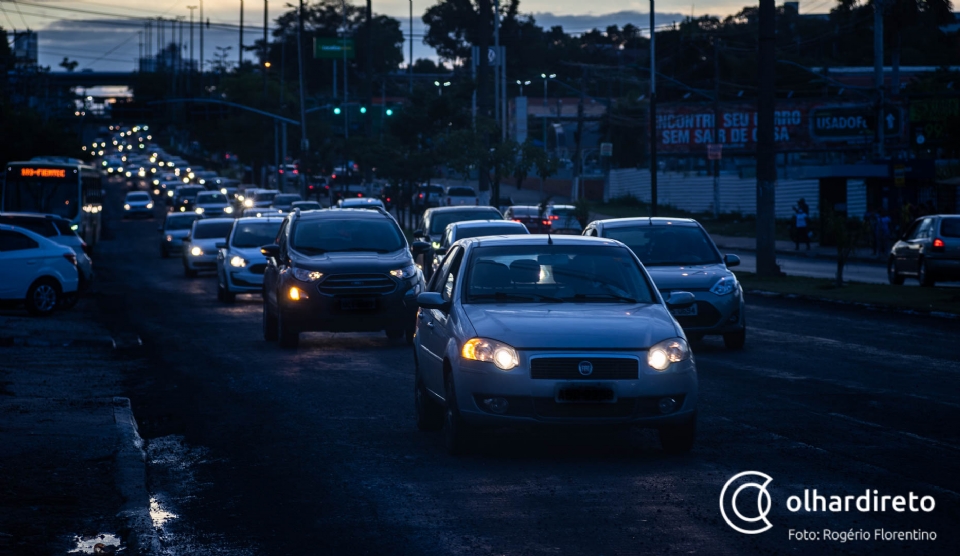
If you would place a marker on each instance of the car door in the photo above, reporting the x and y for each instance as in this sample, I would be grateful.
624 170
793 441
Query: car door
20 260
914 245
271 275
433 325
901 247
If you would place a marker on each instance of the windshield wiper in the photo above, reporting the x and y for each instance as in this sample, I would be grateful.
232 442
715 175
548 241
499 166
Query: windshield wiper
602 296
503 296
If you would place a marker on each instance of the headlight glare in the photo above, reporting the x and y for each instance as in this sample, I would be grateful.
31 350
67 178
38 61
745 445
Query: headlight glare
491 351
196 251
238 262
405 272
667 352
725 285
228 210
198 210
126 207
305 275
435 245
248 203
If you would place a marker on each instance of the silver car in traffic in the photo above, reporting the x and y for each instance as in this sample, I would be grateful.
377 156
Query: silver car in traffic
680 255
240 264
537 330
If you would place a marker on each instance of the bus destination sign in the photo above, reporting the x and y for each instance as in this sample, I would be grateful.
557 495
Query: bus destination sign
43 172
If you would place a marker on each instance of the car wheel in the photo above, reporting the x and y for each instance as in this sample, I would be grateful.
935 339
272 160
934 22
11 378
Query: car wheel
229 296
42 297
429 413
456 433
735 340
923 275
678 439
288 339
68 300
189 272
408 335
219 292
269 323
892 275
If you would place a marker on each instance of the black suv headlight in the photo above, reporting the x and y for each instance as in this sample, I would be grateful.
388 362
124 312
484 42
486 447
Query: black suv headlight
305 275
404 273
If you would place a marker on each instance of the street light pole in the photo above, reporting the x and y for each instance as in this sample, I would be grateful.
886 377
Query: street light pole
304 143
240 52
263 62
201 47
410 64
190 68
653 112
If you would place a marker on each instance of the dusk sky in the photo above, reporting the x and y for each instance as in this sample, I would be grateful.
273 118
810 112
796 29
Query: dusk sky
103 35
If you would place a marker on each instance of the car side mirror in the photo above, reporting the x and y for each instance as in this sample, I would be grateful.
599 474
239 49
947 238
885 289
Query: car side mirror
731 260
418 233
441 251
433 300
420 248
221 245
271 251
681 299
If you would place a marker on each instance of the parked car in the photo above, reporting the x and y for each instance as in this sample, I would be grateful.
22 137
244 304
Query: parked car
435 221
563 220
35 271
680 255
57 229
212 204
199 250
590 342
137 203
531 217
339 271
175 227
457 195
929 251
361 203
240 264
284 201
427 196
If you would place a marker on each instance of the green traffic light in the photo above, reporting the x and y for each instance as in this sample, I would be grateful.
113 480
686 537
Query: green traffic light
363 109
336 110
389 112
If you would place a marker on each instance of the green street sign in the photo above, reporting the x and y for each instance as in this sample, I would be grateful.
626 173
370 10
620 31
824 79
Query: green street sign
852 122
332 48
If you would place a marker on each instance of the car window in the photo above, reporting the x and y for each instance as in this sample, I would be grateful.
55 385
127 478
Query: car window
555 273
265 195
334 235
924 230
138 197
180 222
667 245
254 234
63 226
461 192
15 241
493 230
211 230
444 281
912 232
950 227
40 226
440 220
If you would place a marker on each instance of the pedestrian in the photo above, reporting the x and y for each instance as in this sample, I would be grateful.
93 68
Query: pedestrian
801 220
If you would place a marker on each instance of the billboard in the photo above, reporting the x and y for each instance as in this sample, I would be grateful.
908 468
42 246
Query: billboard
798 126
332 48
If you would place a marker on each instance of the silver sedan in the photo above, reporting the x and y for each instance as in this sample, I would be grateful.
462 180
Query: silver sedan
539 330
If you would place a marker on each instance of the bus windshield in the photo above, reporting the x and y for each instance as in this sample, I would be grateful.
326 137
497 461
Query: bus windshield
44 195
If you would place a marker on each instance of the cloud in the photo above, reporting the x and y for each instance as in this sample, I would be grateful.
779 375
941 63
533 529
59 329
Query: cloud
584 23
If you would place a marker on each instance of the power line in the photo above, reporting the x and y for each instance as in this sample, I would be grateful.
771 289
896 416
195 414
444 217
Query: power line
21 19
12 26
107 53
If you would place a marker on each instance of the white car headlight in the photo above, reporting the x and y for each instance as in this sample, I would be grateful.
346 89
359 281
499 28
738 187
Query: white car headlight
126 207
238 262
149 205
169 193
725 285
405 272
196 251
228 210
666 353
305 275
222 190
248 203
491 351
198 210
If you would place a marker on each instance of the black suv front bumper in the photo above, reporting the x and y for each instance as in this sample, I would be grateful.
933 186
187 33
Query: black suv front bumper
350 303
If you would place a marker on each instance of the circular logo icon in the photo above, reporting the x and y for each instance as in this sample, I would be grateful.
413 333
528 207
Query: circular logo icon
585 368
747 524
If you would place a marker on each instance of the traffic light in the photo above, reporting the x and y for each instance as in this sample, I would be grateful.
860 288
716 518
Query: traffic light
336 110
363 109
389 112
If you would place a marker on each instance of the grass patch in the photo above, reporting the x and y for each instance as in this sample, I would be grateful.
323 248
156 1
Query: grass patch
946 300
729 224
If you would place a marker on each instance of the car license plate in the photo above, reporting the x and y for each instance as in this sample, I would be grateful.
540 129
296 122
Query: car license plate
358 304
585 394
690 311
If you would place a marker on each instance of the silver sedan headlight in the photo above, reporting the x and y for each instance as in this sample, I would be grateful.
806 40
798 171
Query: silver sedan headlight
666 353
491 351
405 272
725 285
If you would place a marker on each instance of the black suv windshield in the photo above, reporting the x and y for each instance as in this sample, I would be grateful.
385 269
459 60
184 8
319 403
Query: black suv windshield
209 230
667 245
314 237
555 274
440 220
255 234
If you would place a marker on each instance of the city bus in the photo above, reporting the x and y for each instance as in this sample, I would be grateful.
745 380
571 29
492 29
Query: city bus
49 185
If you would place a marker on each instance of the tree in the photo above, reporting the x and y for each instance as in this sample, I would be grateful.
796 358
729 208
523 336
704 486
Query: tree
500 159
69 64
848 233
527 154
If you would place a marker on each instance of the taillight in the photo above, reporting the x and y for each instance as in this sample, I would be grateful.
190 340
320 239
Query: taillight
554 217
388 199
516 220
71 257
546 222
421 195
359 194
938 245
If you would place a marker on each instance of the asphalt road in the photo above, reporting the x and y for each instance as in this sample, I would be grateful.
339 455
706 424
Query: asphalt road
256 450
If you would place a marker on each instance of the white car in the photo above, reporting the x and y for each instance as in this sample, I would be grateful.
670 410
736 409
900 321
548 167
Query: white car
176 226
459 195
361 203
240 264
137 203
200 246
34 270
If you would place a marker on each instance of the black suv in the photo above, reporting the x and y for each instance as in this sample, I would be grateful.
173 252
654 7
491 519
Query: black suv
345 270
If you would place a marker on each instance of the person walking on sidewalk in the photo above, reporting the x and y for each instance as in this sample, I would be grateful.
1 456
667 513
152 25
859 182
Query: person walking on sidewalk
801 219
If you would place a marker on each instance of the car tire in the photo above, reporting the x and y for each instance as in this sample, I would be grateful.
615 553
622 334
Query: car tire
289 339
164 254
893 276
43 297
923 275
735 340
269 323
679 439
229 296
429 413
456 433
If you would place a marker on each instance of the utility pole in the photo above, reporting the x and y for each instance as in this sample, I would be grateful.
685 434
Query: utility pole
410 65
201 48
496 72
766 148
190 67
878 73
304 143
346 92
240 50
266 50
483 177
368 80
577 162
653 112
716 127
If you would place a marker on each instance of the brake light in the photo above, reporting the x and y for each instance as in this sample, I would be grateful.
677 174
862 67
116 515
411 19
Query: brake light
516 220
333 177
546 222
421 195
281 170
71 257
388 199
359 194
554 217
939 245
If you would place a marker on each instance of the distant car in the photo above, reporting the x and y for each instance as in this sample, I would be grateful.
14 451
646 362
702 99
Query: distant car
317 187
680 255
435 221
212 204
475 228
259 212
529 216
457 195
57 229
284 201
517 330
361 203
929 251
35 271
260 198
306 205
563 220
137 203
389 194
427 196
184 197
175 227
240 264
199 250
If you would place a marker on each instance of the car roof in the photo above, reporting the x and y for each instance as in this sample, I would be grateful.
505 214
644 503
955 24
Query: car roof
538 239
435 210
343 214
484 223
46 242
271 218
207 221
647 221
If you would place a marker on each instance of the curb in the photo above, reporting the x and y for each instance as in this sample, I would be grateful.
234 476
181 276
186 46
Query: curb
30 341
140 535
870 306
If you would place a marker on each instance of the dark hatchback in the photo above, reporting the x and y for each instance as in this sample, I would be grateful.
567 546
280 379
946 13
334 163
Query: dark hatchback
339 271
435 222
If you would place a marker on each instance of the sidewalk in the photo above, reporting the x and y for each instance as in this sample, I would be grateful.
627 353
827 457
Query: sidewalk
71 472
789 248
